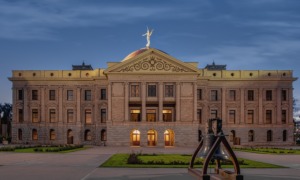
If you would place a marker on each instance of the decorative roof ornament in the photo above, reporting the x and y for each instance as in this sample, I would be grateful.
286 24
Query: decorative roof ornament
148 34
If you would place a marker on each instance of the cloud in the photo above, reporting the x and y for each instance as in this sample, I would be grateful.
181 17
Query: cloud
40 20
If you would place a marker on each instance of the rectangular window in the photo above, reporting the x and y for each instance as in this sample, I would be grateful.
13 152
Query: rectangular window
70 115
103 94
20 95
232 95
52 115
269 95
34 94
88 95
88 116
70 95
199 115
167 115
283 116
103 115
250 116
213 95
52 95
283 95
213 113
52 135
35 115
231 116
135 115
199 94
135 90
268 116
151 90
20 115
151 115
169 91
250 95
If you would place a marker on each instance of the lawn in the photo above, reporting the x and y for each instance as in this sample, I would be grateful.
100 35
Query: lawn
280 151
44 149
172 161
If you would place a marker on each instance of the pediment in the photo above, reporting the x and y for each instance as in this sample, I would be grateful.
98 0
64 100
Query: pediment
152 61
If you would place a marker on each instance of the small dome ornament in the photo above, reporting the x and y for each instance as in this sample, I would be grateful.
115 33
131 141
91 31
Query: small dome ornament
148 35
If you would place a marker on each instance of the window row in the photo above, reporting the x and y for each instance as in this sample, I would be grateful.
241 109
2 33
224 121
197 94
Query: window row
69 95
135 137
250 116
52 118
52 135
250 96
151 115
152 89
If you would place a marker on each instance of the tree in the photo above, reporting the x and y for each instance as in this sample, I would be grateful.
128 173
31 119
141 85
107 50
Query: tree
6 118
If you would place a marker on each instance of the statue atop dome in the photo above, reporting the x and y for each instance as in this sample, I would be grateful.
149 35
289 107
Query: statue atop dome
148 34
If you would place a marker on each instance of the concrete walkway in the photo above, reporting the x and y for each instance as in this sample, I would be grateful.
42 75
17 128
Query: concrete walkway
84 165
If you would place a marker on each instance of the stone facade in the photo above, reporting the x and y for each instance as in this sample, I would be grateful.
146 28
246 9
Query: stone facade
151 99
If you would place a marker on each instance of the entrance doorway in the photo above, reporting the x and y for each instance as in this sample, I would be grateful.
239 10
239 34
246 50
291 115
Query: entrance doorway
151 138
70 137
169 137
135 137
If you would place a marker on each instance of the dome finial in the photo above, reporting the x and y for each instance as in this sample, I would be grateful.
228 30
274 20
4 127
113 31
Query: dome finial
148 34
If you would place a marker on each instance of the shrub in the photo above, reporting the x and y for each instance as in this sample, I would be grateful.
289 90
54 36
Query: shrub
133 159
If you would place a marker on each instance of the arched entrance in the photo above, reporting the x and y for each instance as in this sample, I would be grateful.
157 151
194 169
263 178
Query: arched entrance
169 137
232 136
151 138
135 137
70 137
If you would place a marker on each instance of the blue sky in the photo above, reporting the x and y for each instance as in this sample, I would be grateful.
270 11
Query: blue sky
54 34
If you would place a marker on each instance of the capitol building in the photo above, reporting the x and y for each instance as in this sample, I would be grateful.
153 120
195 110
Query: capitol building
151 98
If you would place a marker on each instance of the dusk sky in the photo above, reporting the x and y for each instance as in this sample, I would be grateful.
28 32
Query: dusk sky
56 34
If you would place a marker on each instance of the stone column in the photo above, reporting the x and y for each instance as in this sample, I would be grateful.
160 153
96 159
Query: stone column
25 106
60 105
242 110
290 110
78 105
177 101
223 97
126 101
195 102
42 113
278 107
143 101
260 106
160 101
109 98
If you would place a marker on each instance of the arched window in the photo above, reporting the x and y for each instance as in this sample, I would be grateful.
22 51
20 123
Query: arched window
52 134
103 135
284 135
87 135
20 134
269 135
34 134
232 136
169 137
251 136
151 138
135 137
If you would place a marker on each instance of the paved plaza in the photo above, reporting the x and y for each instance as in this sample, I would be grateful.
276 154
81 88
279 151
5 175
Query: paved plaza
84 165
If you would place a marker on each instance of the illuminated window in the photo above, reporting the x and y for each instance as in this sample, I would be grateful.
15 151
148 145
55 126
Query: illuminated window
135 137
135 115
167 115
151 115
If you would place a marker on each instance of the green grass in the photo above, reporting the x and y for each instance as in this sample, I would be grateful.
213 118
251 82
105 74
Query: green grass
280 151
120 160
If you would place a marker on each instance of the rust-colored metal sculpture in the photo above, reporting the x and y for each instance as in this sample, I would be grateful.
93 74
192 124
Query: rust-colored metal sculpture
210 150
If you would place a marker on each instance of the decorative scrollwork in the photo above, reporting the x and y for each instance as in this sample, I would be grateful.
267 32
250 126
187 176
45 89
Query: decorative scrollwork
153 64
